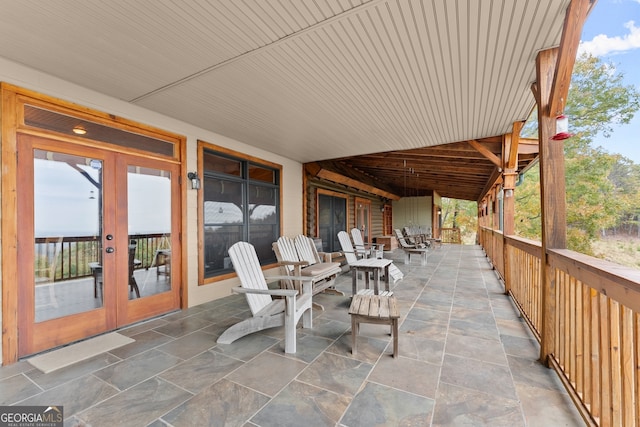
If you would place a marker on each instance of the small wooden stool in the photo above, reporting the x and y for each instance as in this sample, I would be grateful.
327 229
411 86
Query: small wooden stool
377 309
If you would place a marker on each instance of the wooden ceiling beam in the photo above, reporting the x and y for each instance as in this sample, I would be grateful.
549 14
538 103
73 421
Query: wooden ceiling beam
571 31
512 151
318 171
486 152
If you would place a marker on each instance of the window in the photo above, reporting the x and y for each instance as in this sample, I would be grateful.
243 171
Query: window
241 202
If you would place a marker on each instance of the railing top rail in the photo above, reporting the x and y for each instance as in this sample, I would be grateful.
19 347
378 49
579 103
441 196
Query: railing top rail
618 282
531 247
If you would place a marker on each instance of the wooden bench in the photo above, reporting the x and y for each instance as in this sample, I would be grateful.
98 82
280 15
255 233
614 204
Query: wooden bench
376 309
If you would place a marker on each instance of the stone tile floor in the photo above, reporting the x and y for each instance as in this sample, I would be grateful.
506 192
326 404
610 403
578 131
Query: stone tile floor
466 359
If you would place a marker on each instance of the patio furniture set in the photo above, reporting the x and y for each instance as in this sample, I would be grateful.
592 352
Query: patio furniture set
307 272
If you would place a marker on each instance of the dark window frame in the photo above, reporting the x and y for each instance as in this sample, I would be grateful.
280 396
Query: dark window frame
240 225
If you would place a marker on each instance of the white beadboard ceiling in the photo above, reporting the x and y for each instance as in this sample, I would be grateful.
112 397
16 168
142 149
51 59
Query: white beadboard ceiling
308 79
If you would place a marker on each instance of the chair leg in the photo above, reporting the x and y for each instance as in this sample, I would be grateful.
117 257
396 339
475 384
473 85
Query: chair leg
290 325
394 323
307 317
354 334
133 286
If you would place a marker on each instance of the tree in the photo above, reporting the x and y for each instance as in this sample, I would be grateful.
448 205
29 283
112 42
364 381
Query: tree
597 100
462 214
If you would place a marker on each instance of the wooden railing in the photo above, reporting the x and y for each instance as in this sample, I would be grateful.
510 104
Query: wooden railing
595 313
450 235
72 255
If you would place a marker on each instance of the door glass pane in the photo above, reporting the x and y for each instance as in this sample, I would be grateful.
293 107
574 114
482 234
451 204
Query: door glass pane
67 230
339 220
332 218
362 220
149 224
324 222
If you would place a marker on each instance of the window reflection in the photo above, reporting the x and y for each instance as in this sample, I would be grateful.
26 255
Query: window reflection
237 208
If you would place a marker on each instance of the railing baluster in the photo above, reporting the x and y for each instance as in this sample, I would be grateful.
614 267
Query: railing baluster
597 344
77 252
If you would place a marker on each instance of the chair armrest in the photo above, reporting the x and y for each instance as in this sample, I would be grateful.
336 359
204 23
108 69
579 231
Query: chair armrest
329 256
276 292
306 281
300 278
302 263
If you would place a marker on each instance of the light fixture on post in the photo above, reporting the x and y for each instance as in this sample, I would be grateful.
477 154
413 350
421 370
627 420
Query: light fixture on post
562 128
195 181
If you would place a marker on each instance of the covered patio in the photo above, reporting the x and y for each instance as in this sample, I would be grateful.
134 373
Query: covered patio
357 96
466 358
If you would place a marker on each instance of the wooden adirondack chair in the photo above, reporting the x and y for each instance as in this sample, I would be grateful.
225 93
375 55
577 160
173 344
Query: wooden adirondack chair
352 258
266 311
372 250
299 258
308 251
349 252
375 251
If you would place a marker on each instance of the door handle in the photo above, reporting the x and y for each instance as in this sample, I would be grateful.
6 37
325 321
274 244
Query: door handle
109 250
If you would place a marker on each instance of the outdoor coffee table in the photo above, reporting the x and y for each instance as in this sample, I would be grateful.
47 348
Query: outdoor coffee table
376 309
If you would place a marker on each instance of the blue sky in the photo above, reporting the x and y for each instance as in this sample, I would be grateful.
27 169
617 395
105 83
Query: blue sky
612 32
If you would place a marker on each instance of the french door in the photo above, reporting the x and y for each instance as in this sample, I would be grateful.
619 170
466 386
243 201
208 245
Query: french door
96 232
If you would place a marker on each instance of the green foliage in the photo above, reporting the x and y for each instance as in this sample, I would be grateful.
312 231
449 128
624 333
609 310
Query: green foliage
462 214
577 240
602 189
527 205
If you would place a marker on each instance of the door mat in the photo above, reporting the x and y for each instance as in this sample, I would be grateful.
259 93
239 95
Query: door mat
78 352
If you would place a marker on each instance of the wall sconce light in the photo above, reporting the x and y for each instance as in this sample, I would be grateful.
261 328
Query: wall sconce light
562 128
508 192
195 181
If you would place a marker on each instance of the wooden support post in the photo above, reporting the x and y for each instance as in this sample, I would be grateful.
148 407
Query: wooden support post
553 71
508 206
552 194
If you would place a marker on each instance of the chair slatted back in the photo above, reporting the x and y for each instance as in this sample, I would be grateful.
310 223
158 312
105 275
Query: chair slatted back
247 266
306 249
287 250
401 240
403 243
347 247
358 242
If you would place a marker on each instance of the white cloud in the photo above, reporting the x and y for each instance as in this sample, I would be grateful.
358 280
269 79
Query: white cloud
602 44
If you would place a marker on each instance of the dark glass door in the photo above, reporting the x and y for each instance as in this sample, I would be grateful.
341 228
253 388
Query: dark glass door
332 218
